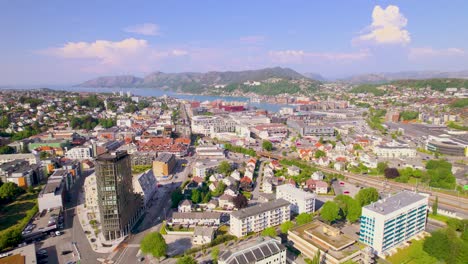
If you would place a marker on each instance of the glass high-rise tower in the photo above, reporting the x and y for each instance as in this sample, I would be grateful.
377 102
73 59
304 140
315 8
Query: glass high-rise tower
119 206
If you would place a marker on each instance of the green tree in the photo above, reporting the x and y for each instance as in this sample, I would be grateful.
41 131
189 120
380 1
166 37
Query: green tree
187 259
445 245
303 218
269 231
224 167
319 153
286 226
196 196
9 191
367 196
4 121
330 212
219 189
267 145
435 206
176 197
350 208
154 244
7 150
215 253
381 166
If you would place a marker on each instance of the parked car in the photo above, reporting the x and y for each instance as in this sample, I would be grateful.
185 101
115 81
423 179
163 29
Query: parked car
66 252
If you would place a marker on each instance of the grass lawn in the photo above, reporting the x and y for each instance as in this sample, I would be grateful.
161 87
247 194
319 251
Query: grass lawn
13 212
440 217
223 230
414 254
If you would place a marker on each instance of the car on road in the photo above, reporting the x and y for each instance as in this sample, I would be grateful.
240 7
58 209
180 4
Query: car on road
66 252
141 259
342 183
346 192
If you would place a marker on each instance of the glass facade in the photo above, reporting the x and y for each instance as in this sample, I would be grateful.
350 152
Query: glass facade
118 204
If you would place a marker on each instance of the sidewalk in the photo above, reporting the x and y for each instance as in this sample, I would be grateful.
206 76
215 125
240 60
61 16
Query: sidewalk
99 239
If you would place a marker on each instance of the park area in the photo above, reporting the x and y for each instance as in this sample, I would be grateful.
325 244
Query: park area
15 216
12 213
413 254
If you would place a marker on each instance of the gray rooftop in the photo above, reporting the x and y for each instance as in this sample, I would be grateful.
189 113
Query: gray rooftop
260 208
253 253
203 231
164 157
395 202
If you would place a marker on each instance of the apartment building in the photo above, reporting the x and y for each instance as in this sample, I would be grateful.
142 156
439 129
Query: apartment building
301 201
392 221
206 125
268 251
259 217
79 153
91 196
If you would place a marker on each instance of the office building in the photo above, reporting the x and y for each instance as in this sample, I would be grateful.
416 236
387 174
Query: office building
119 206
334 246
301 201
52 195
259 217
392 221
164 164
268 251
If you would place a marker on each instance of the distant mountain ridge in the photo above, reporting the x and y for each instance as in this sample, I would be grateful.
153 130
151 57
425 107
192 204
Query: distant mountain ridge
404 75
314 76
192 81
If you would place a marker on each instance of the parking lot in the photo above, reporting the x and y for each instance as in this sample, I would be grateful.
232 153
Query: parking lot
341 187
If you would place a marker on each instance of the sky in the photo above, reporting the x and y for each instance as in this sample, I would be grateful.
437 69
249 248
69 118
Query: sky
68 42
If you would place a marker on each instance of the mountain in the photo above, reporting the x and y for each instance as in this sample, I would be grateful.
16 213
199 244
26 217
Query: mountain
195 82
405 75
314 76
113 81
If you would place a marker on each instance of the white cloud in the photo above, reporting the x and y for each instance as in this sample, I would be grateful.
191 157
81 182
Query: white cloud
388 27
428 52
103 56
147 29
300 56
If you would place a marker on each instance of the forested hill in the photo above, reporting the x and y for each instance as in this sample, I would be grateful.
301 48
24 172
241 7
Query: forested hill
273 81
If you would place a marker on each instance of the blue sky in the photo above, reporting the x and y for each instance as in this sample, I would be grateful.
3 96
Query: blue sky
67 42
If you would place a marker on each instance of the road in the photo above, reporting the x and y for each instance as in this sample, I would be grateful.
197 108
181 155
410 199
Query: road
73 232
153 217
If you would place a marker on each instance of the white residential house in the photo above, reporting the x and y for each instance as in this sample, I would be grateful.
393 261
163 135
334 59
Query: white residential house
236 175
301 201
203 235
293 171
318 176
185 206
339 166
226 202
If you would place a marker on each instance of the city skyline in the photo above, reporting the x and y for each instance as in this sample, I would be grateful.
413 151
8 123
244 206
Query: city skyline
58 43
